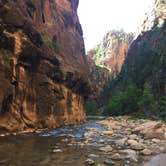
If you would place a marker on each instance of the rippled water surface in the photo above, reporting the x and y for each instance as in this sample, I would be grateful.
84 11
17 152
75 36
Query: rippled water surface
37 149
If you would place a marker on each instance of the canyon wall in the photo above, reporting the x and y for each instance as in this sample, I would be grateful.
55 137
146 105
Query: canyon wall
105 62
43 67
146 58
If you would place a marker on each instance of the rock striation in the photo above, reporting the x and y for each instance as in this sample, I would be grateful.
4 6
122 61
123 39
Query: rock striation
43 67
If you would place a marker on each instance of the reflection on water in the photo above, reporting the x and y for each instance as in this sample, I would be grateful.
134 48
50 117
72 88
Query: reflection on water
36 149
159 160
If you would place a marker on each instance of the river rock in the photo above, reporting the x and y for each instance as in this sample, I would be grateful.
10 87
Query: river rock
101 141
132 142
131 154
156 140
106 149
89 161
121 142
109 162
116 156
108 132
151 129
93 156
133 137
57 151
135 145
146 152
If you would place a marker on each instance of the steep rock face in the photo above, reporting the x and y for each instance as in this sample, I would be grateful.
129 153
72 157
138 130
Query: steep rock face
43 68
111 52
155 16
146 58
98 77
105 62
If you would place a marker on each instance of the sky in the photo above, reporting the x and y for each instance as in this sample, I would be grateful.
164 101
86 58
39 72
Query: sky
99 16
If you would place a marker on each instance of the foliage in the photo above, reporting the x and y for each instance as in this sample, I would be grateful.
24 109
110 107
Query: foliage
147 97
91 107
162 104
102 51
48 42
123 102
134 99
6 54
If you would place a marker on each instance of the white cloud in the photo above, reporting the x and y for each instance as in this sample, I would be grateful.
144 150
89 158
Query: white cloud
99 16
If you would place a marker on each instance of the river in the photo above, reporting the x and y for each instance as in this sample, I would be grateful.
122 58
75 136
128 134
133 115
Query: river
64 146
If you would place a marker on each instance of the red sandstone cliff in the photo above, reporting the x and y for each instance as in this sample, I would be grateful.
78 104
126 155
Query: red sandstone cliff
43 68
112 51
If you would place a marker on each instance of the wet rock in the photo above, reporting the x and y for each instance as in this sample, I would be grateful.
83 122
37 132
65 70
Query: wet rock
146 152
155 140
93 156
116 156
89 161
131 154
133 137
101 141
109 132
121 142
132 142
57 151
106 149
135 145
109 162
151 129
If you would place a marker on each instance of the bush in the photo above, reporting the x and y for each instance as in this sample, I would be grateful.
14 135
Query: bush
91 107
48 42
124 102
146 100
162 104
6 54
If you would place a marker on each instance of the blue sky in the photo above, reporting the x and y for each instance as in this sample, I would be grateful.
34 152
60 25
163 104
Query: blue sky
99 16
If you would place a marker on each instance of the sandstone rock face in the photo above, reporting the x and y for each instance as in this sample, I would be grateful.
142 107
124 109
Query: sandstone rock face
112 51
98 77
105 63
155 16
43 68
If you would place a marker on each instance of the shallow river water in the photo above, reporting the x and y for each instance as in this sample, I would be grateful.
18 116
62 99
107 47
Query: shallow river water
37 149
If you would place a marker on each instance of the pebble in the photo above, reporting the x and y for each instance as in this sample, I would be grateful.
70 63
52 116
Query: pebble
101 141
57 151
155 140
146 152
133 137
109 162
116 156
108 132
89 161
93 156
106 149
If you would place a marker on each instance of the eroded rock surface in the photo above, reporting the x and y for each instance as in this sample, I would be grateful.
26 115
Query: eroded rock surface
43 68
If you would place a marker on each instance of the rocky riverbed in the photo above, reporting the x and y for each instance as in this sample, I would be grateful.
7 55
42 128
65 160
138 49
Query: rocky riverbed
116 141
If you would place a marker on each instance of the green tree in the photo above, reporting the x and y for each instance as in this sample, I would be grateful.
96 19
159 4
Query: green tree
162 104
91 107
146 101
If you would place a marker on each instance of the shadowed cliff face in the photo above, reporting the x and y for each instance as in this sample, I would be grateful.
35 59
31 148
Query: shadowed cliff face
146 58
43 68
